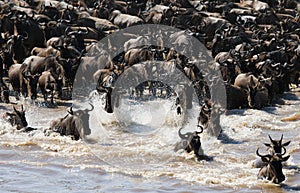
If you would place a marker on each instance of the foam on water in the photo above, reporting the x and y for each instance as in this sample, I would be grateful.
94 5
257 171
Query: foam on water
145 148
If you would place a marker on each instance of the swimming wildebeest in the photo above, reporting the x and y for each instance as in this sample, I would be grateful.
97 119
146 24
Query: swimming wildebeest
190 141
75 124
275 147
273 169
17 118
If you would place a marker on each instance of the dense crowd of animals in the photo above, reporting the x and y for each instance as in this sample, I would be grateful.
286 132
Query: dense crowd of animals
44 43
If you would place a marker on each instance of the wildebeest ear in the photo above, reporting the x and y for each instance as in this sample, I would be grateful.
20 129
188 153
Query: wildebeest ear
285 158
286 143
267 144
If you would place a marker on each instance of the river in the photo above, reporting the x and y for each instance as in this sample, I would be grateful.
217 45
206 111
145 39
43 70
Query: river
139 156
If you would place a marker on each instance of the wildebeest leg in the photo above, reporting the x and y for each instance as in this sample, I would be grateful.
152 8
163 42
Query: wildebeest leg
108 107
52 96
17 94
45 94
59 88
24 90
273 179
297 79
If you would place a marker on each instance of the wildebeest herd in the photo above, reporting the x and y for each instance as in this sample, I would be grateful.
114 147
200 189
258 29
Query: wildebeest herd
255 44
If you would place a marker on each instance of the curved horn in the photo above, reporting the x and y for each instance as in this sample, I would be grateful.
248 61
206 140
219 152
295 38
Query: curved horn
71 111
72 32
291 64
64 20
271 139
91 106
281 139
199 126
275 65
182 136
52 24
257 153
284 150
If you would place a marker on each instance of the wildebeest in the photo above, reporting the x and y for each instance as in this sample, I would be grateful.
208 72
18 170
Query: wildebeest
258 94
236 97
124 20
258 97
136 55
17 48
17 79
48 85
44 52
37 65
190 141
246 80
276 145
75 124
273 170
17 118
21 82
25 24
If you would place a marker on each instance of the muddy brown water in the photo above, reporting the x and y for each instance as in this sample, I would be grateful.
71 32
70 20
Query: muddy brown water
140 158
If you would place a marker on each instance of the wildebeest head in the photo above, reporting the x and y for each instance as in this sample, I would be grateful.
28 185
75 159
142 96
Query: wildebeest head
190 141
84 117
276 145
17 118
273 170
16 47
